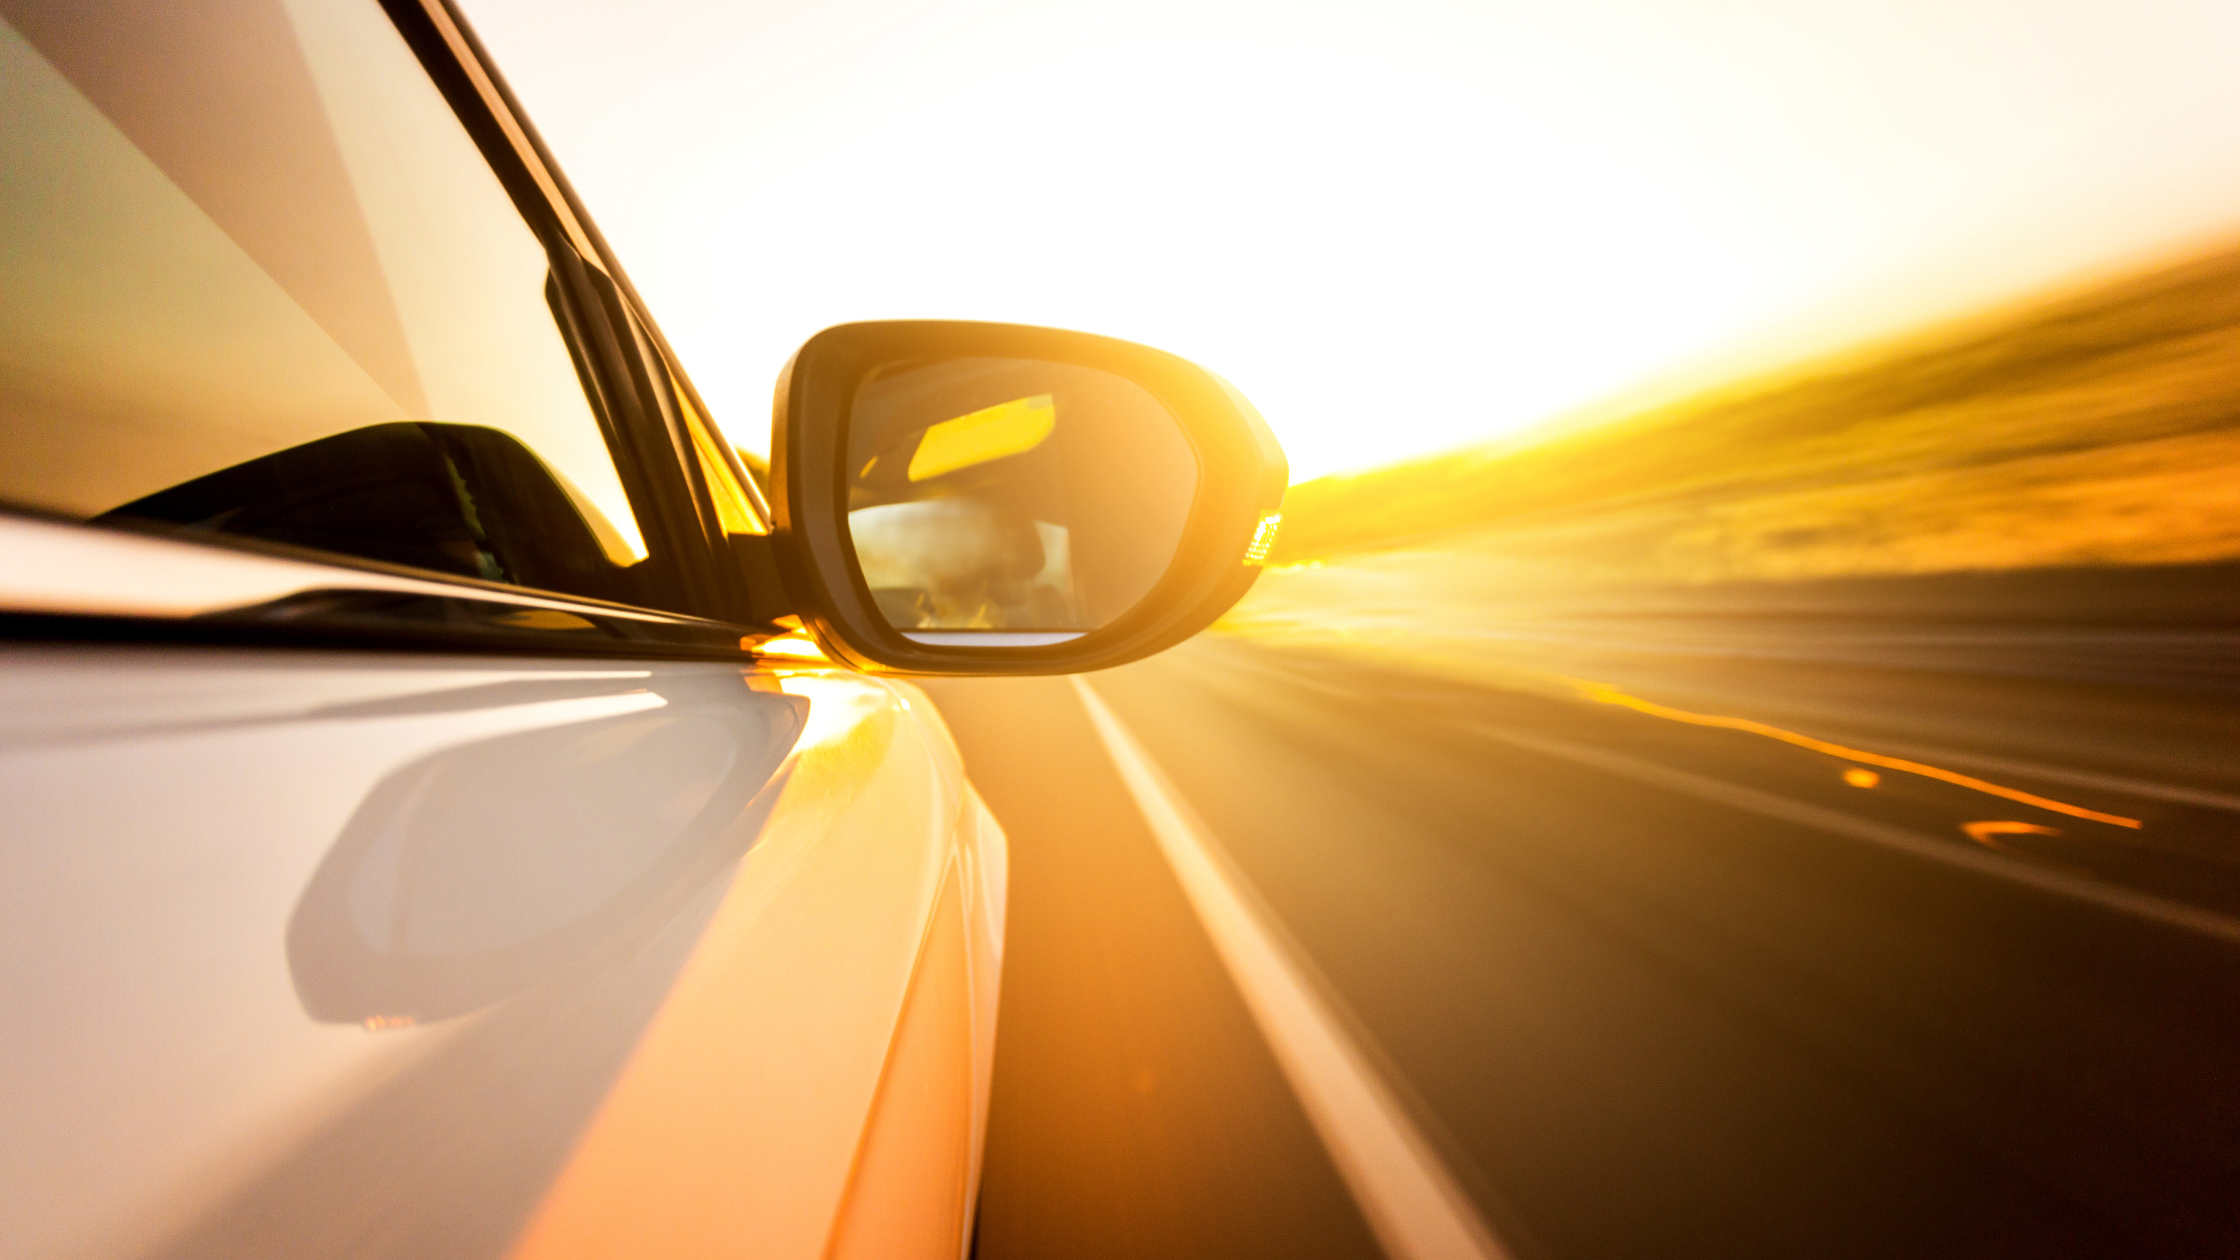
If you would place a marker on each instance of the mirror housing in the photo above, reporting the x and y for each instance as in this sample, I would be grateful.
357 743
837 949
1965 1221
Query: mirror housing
1240 477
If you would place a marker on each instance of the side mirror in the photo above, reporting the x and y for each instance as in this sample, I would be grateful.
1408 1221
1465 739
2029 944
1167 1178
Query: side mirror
958 498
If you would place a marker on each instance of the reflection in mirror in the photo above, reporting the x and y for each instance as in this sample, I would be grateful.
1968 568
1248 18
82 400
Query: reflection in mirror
1012 500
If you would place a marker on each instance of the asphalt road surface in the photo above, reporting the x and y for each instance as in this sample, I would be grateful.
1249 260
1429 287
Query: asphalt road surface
1740 956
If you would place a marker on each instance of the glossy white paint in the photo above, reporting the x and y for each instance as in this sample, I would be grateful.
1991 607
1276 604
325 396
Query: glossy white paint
322 953
62 568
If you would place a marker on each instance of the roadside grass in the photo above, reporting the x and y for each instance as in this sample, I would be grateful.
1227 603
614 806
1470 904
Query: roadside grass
2100 428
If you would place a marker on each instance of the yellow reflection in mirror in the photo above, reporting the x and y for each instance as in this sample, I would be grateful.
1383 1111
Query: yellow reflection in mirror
991 433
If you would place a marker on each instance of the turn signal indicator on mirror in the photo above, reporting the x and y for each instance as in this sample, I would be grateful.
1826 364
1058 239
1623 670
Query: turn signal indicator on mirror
1263 538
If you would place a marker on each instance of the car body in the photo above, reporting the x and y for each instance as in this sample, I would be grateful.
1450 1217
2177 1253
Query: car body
447 810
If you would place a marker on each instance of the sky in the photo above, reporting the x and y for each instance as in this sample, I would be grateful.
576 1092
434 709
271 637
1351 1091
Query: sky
1398 226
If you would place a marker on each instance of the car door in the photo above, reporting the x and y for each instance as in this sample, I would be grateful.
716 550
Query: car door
415 842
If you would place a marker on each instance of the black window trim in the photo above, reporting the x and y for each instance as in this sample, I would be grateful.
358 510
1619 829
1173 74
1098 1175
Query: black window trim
538 178
731 578
607 320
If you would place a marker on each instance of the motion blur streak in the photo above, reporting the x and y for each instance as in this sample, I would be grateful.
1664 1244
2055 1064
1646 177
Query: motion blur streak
1681 986
2059 878
1985 830
1137 1110
1603 693
1412 1202
1649 998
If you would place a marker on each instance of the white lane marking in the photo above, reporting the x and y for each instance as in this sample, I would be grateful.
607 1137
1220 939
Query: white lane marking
1410 1200
2046 879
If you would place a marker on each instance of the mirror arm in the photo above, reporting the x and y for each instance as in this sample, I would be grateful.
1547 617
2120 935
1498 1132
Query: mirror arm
767 598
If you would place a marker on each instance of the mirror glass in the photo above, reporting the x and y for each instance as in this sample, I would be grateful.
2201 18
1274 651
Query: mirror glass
1009 502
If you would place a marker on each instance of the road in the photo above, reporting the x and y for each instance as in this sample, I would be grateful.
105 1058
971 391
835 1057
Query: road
1762 957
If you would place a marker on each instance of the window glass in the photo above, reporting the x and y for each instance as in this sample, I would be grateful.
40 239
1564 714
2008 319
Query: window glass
260 282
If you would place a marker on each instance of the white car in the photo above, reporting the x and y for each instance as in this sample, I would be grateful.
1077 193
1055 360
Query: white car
446 811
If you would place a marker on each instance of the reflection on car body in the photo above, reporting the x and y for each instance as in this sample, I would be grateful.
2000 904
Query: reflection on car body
469 874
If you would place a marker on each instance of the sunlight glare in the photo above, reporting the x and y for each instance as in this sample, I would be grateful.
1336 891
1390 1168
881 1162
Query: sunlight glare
1397 227
1196 196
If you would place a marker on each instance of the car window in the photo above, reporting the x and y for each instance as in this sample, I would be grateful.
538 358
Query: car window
261 283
